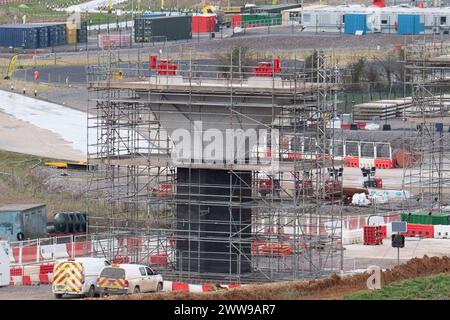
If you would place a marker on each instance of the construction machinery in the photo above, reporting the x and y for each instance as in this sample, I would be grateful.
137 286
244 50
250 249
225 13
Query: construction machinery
369 178
220 14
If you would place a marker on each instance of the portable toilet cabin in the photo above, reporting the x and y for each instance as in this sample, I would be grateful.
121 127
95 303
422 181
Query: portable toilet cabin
354 22
410 24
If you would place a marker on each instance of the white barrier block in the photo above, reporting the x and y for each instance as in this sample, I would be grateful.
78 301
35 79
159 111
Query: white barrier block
388 230
195 288
34 278
31 270
441 232
352 236
54 251
366 162
167 286
16 280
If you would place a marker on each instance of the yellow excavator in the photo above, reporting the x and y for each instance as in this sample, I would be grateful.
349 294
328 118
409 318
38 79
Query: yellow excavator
209 9
214 9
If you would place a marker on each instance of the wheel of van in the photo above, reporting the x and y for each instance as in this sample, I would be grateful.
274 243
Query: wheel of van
159 287
58 295
91 292
136 290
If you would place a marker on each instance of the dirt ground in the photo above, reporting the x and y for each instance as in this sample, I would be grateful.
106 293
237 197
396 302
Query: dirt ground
333 287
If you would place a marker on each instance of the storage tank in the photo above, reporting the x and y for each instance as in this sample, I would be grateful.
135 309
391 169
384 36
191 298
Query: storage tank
66 222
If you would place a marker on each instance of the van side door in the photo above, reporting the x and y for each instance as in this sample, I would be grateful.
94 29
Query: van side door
151 279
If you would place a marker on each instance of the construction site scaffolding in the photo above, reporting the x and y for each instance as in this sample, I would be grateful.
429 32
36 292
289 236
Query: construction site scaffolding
296 210
427 173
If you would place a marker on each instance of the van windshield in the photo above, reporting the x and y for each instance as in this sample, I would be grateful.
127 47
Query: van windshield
113 273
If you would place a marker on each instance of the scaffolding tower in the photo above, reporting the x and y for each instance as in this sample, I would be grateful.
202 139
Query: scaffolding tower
275 214
427 70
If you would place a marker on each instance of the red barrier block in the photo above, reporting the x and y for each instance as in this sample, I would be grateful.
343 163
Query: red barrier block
46 268
352 162
206 287
180 287
383 163
16 271
231 286
384 231
420 230
26 280
43 278
373 235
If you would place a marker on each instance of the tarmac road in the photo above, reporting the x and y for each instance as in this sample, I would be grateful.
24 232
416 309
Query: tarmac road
38 292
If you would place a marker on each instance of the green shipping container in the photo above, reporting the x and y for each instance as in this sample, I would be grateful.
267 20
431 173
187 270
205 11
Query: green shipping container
261 20
436 218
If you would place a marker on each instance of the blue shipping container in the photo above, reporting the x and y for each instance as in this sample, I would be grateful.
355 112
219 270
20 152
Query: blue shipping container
355 22
33 35
410 24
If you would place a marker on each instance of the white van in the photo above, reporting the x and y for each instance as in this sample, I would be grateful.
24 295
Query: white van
77 276
4 264
128 278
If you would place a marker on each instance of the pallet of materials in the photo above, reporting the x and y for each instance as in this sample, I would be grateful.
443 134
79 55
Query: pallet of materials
372 110
385 109
432 106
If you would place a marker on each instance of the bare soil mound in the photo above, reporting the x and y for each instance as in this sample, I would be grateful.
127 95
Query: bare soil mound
334 287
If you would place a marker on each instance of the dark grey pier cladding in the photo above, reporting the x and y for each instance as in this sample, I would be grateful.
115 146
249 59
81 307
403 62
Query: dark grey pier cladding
213 221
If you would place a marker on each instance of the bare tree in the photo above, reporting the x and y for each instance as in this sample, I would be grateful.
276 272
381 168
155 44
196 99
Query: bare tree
238 61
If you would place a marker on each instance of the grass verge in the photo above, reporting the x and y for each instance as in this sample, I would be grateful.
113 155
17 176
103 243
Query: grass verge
19 185
436 287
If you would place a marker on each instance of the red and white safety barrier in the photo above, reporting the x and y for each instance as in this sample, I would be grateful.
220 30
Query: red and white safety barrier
361 162
31 274
169 286
50 252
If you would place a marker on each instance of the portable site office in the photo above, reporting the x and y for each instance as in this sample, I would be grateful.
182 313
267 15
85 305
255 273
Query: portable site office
395 20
